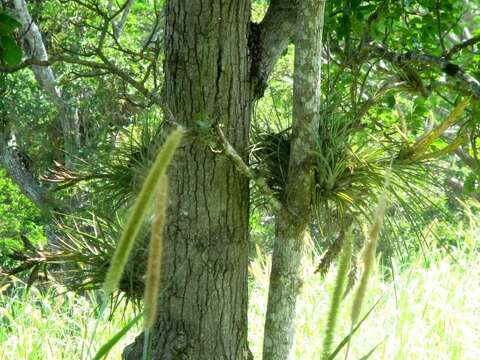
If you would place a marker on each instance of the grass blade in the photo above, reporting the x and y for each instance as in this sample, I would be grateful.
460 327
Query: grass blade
365 357
343 267
347 338
105 349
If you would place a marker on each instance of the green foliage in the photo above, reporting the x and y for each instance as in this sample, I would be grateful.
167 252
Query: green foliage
10 52
139 210
107 347
340 281
113 175
45 325
428 309
18 218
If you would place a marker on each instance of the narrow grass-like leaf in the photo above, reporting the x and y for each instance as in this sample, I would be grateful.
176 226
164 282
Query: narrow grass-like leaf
367 355
347 338
369 258
155 255
139 210
105 349
343 267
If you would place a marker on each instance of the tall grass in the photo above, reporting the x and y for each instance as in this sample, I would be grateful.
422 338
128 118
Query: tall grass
46 326
429 309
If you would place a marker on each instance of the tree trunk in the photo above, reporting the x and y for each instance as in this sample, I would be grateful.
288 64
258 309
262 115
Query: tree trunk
203 305
35 48
16 170
292 222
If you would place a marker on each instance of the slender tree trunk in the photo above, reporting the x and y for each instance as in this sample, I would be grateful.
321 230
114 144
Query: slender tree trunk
35 48
292 222
203 306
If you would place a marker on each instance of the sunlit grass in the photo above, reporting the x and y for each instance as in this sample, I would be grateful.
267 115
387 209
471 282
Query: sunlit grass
431 310
36 326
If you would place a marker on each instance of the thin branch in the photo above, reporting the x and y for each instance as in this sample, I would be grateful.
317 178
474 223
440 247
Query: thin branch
243 168
118 27
418 151
464 44
467 82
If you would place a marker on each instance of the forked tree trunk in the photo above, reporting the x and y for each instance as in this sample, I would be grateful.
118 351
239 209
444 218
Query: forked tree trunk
292 222
203 307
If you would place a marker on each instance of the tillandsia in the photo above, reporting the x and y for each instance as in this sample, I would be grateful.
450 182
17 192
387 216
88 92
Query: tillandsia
140 208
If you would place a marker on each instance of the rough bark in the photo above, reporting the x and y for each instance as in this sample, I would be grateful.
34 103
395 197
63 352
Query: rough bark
271 37
35 48
203 306
292 222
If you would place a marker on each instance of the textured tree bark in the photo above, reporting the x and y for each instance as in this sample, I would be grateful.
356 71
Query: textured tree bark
203 306
292 222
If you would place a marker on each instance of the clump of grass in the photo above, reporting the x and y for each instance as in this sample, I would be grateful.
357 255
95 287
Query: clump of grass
140 208
48 326
429 311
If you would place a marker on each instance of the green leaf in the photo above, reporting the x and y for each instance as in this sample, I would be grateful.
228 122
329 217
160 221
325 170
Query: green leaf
139 211
7 24
105 349
10 52
367 355
469 184
346 339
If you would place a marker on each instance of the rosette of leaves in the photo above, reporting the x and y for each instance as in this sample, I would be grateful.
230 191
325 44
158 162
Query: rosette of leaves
114 175
82 255
351 167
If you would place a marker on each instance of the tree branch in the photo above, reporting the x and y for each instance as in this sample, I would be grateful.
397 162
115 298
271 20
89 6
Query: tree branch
35 48
106 65
459 189
243 168
118 27
16 170
467 82
459 47
470 161
269 39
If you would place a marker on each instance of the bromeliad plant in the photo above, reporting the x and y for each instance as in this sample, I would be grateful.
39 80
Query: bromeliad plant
352 159
89 248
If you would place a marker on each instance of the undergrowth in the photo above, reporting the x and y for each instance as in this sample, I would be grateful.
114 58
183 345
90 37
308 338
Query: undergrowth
37 325
429 309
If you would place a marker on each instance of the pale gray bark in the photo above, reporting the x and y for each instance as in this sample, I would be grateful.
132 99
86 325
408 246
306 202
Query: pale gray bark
35 48
118 26
292 222
458 188
20 175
